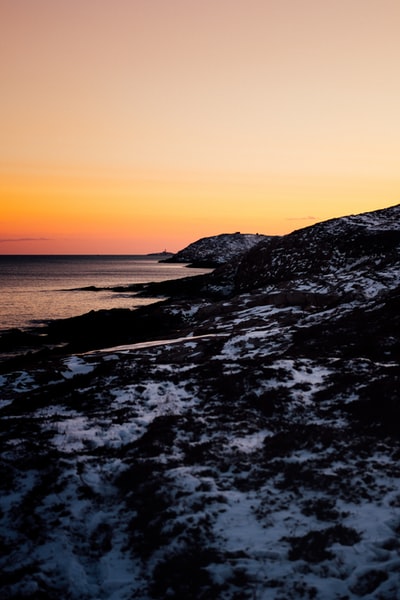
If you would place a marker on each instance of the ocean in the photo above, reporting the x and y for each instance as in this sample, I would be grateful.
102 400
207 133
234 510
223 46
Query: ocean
34 289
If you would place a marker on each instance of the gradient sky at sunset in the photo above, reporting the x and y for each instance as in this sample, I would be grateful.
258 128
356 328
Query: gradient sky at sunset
130 126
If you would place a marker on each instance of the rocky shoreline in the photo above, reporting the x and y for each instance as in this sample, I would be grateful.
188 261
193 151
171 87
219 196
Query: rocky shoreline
237 442
103 328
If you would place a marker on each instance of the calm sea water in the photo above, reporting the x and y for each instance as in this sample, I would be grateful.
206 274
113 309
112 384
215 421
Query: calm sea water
36 288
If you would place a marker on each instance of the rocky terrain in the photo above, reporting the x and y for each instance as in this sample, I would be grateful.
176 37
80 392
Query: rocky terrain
217 250
240 440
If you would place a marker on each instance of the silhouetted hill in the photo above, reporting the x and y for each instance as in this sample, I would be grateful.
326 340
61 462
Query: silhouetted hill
216 250
339 256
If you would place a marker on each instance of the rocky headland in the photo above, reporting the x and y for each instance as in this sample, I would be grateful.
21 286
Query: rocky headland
216 250
238 440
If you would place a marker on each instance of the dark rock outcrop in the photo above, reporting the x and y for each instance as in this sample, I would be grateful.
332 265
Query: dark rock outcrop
367 241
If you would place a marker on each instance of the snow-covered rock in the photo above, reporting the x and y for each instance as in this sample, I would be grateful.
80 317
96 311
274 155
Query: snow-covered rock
355 254
253 453
217 250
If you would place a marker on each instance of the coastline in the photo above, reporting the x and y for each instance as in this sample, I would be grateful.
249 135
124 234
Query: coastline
36 289
102 328
239 446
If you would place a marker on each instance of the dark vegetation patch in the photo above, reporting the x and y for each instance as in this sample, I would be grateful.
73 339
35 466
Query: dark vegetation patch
185 574
315 545
294 476
378 405
369 333
270 401
368 582
295 437
24 575
158 437
150 505
198 452
323 509
136 473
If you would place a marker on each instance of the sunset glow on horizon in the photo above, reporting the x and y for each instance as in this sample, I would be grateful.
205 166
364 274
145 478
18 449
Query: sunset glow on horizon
134 126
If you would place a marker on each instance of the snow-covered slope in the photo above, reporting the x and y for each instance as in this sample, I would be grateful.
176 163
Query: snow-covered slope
217 250
253 453
355 254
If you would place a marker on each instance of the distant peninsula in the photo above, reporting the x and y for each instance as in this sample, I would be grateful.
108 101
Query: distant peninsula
214 251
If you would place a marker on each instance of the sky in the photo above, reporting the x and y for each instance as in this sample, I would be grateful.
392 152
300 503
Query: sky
133 126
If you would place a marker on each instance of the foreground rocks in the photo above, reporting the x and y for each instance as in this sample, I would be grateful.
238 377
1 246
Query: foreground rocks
248 449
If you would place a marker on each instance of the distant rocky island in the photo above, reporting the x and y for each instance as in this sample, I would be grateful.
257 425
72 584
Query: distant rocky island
239 439
161 254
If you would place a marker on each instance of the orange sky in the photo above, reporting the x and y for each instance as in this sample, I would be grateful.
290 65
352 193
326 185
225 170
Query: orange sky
137 125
